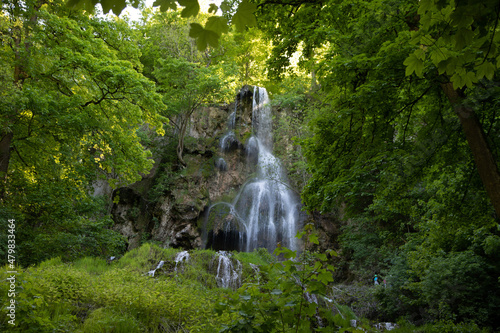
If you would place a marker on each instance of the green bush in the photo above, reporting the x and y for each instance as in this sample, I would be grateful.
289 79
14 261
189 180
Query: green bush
453 287
92 265
43 298
105 320
282 300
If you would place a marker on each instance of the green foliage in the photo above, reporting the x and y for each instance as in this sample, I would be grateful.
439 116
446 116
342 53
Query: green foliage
73 119
258 257
185 88
69 238
293 104
458 39
91 265
78 238
204 37
71 100
281 302
385 151
381 150
451 327
450 287
453 287
242 17
243 55
142 258
40 305
94 296
109 320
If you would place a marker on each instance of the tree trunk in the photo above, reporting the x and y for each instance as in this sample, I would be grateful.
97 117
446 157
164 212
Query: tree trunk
5 142
476 138
180 144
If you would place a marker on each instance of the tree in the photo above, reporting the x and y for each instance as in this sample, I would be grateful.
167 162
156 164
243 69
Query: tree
455 42
76 102
387 152
461 40
164 35
73 102
185 87
185 77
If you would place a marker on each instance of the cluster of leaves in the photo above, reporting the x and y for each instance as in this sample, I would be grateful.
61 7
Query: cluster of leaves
386 152
83 231
457 38
77 109
207 35
76 102
284 298
92 295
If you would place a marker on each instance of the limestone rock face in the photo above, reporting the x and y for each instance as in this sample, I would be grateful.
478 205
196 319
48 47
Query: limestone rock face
218 160
176 218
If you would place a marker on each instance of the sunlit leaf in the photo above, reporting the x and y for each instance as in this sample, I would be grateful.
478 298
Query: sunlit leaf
117 6
325 277
314 239
212 9
165 5
244 15
413 64
191 7
217 24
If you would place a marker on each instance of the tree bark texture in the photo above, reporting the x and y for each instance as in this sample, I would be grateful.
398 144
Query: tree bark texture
5 142
476 138
182 134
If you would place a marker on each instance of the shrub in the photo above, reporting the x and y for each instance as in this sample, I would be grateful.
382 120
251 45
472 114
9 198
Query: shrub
106 320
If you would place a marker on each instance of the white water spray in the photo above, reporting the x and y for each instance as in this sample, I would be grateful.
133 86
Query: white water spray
266 211
181 257
228 274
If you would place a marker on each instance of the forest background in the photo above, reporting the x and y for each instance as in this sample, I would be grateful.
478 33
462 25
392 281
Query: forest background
392 106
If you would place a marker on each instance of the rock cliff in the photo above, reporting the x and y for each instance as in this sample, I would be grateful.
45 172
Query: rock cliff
167 206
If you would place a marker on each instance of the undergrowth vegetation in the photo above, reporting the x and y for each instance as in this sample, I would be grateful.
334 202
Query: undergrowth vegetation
93 295
150 290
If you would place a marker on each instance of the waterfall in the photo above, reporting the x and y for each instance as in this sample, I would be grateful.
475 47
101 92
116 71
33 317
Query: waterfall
228 275
221 164
229 141
152 272
266 211
181 257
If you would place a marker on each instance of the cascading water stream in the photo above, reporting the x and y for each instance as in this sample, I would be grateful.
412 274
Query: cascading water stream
181 257
266 211
228 274
152 272
229 138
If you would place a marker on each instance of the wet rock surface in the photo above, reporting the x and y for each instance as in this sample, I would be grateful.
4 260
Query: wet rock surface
175 219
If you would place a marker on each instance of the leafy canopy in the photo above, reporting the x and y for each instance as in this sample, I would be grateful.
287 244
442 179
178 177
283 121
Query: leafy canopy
208 35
